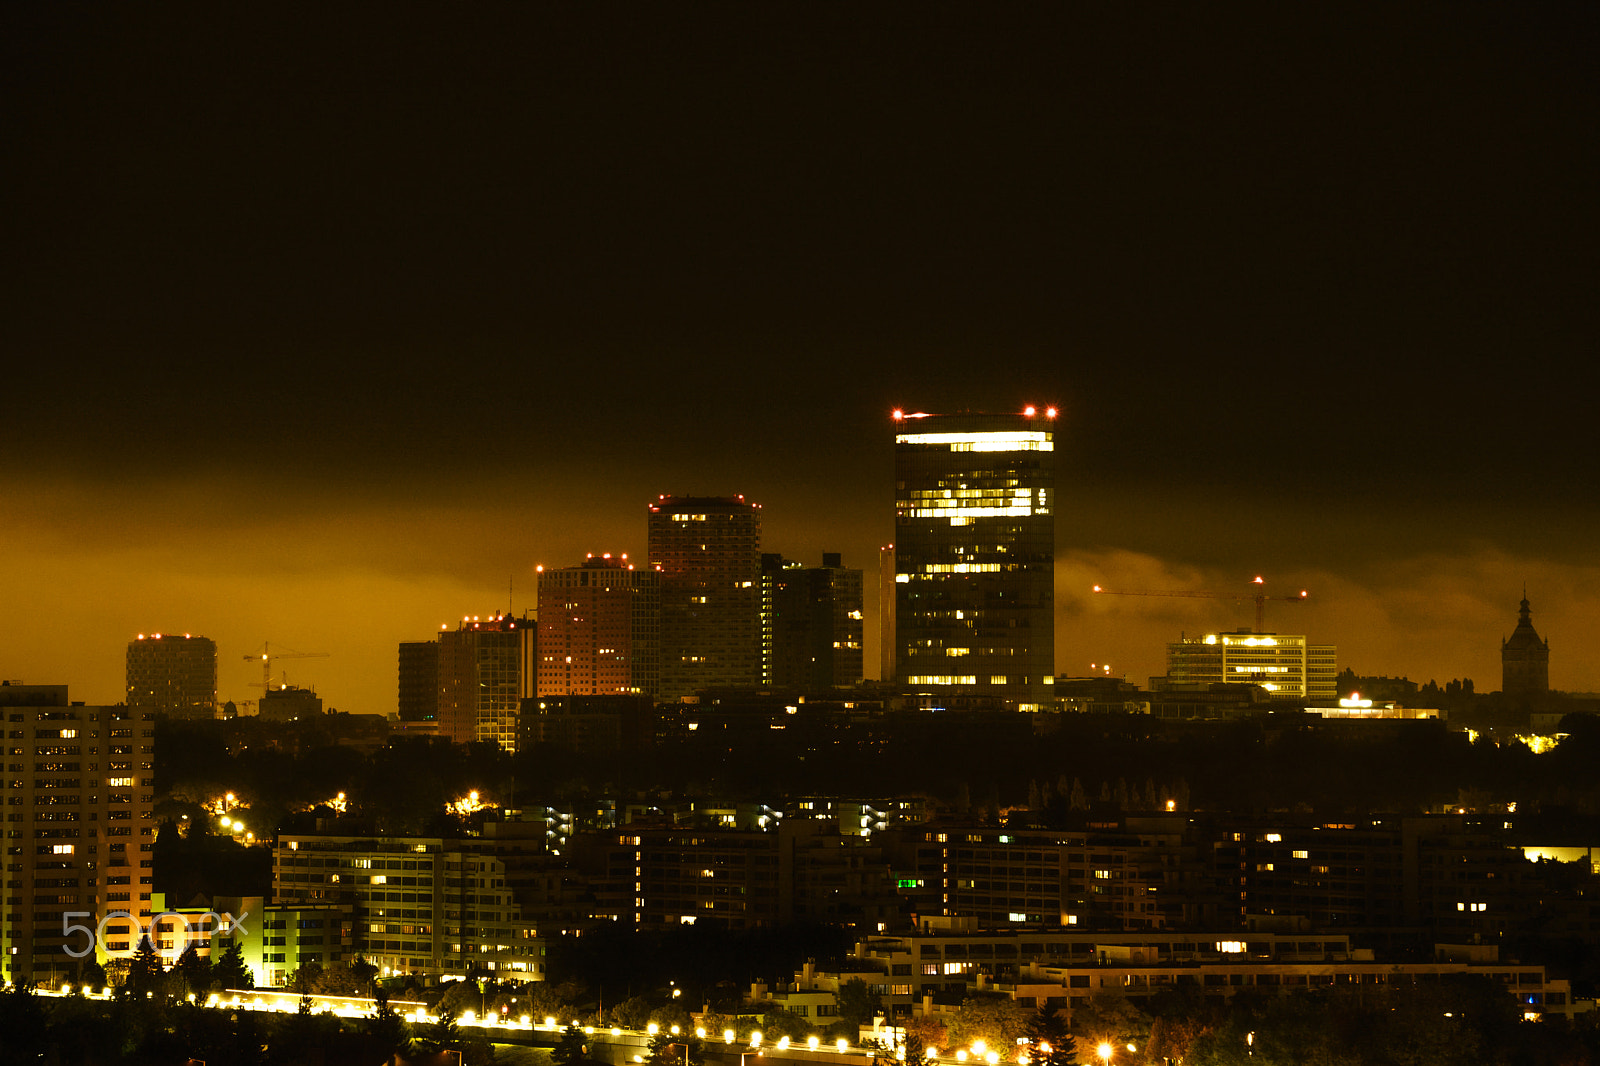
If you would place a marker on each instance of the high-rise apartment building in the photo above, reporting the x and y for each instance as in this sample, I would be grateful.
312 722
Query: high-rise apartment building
975 555
811 624
419 681
171 673
599 629
422 905
79 793
1284 665
886 595
707 550
481 678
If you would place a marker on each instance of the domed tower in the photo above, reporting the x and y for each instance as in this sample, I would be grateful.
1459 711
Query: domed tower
1524 659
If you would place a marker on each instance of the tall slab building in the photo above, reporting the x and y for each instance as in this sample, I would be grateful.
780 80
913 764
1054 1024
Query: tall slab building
811 624
482 667
171 673
974 555
599 629
707 550
80 798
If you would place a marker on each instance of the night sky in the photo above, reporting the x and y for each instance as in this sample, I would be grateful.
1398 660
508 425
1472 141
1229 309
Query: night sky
325 328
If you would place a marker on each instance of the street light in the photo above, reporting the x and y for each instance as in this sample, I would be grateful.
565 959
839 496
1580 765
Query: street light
1104 1051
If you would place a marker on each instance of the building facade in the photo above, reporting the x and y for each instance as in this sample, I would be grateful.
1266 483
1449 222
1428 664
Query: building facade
418 697
1284 665
1524 658
886 594
811 624
79 792
481 679
1069 970
599 629
174 674
975 555
289 704
419 905
707 550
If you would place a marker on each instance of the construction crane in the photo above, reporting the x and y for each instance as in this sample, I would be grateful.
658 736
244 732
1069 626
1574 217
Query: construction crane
1260 598
266 657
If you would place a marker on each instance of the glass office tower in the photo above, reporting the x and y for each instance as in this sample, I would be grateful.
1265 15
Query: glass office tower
975 557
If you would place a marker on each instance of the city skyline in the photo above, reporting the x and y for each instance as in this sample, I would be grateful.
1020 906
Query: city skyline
330 351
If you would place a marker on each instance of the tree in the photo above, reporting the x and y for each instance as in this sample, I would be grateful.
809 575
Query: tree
633 1013
388 1031
338 979
444 1033
856 1004
780 1021
926 1032
196 971
304 980
998 1020
671 1014
460 997
555 999
363 971
1109 1016
665 1049
92 975
145 969
24 1023
1052 1044
230 970
570 1048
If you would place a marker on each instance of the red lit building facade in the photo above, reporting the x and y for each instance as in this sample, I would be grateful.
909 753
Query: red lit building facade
707 550
599 629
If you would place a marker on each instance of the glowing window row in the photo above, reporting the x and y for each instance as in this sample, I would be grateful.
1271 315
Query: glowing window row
952 513
970 494
983 442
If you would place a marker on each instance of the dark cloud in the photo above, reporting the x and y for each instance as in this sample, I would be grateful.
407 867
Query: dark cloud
324 307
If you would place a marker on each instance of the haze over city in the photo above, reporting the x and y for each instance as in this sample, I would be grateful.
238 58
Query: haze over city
327 334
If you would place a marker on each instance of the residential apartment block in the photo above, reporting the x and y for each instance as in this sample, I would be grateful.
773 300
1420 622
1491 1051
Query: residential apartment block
78 793
422 905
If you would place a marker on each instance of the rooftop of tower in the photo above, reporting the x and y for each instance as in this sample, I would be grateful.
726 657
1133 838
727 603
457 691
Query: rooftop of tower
1048 411
702 503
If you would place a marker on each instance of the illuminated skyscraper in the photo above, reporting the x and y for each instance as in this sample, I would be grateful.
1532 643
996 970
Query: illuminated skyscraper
975 555
169 673
708 552
599 629
481 679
